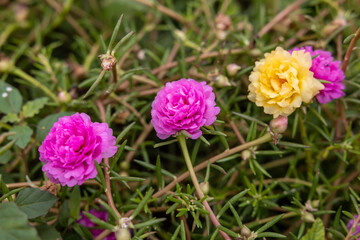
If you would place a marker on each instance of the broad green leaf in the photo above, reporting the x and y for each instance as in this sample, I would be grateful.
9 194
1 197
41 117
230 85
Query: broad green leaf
44 125
10 98
35 202
14 224
316 232
11 118
32 108
23 134
47 232
4 158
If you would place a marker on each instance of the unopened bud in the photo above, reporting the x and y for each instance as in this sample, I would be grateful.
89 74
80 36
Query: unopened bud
64 97
124 174
308 217
246 154
245 231
221 34
124 166
232 69
5 64
279 124
315 203
337 23
122 234
223 22
222 81
180 34
107 61
204 186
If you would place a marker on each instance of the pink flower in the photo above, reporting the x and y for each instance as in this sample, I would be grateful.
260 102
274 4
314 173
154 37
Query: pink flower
93 228
72 145
325 68
183 105
357 228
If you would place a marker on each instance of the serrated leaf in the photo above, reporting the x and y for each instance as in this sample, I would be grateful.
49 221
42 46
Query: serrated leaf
32 108
11 118
22 133
316 232
44 125
14 224
35 202
10 98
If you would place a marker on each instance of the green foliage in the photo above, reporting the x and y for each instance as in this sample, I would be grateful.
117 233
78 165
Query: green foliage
14 224
35 202
32 108
10 100
316 232
22 134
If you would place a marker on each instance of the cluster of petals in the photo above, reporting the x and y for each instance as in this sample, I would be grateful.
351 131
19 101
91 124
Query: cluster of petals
72 146
93 227
183 105
325 68
282 81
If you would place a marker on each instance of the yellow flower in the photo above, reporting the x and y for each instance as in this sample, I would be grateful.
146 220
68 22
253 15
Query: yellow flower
281 81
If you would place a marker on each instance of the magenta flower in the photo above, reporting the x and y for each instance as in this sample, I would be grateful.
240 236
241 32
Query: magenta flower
183 105
94 228
357 228
325 68
72 145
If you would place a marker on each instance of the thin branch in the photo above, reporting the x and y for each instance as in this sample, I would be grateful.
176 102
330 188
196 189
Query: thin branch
142 137
106 169
350 50
201 57
168 12
280 16
263 139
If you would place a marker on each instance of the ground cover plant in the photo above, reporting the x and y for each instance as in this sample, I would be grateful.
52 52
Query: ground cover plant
179 119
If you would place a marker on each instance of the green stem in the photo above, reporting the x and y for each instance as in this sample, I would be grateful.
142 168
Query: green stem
18 72
182 141
304 139
261 140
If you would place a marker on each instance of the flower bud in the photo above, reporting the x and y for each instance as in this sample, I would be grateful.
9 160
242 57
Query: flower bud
124 166
315 203
180 34
232 69
279 124
5 64
307 217
122 234
64 97
245 231
246 154
204 186
107 61
223 22
337 23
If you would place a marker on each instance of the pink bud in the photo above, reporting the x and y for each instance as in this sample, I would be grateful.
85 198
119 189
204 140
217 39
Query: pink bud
279 124
64 97
232 69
